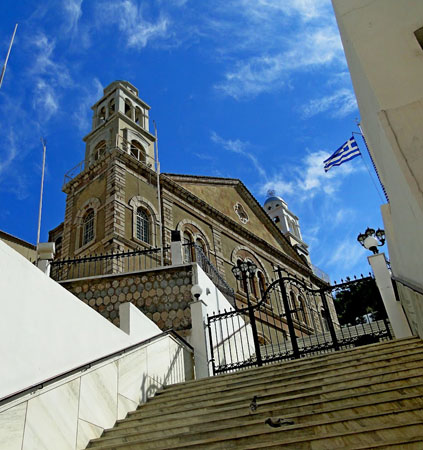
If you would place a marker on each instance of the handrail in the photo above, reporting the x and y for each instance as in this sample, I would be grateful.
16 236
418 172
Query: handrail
96 265
85 366
411 286
210 269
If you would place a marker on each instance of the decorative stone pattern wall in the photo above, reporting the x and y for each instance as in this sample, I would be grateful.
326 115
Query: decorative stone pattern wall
163 295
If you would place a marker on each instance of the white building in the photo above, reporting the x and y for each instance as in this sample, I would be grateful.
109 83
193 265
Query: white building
383 42
287 222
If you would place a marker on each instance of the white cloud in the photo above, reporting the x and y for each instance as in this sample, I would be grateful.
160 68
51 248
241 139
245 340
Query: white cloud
339 104
45 100
8 153
266 41
48 76
308 178
305 9
73 12
129 18
347 253
240 147
90 95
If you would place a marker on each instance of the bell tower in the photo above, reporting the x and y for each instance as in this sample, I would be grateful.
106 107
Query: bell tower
287 222
120 120
112 202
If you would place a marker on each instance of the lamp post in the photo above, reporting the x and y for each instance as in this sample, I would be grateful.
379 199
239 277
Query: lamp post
372 239
243 272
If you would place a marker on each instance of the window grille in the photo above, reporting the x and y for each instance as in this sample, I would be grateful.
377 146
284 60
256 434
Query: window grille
143 226
88 228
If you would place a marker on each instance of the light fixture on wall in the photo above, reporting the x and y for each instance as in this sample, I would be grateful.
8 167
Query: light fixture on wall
372 239
196 291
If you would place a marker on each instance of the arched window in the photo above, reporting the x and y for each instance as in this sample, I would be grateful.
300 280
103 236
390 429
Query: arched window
139 117
242 283
301 310
188 248
137 151
143 226
88 227
112 106
99 150
128 109
201 244
261 283
102 115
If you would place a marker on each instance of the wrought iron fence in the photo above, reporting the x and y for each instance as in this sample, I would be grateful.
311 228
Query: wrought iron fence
291 320
194 253
96 265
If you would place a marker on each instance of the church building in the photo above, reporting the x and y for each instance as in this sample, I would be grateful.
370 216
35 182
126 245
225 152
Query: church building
119 203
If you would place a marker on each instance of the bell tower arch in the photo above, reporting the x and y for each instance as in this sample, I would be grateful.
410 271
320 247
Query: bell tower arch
120 120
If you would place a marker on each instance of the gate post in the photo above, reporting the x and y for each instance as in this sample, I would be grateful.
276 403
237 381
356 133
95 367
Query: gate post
329 320
291 328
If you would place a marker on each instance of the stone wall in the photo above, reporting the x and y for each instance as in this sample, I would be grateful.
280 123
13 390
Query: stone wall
163 295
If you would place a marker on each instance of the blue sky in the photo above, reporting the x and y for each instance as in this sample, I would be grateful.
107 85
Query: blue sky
252 89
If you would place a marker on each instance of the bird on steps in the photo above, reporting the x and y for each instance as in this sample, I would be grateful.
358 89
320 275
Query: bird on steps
276 423
253 404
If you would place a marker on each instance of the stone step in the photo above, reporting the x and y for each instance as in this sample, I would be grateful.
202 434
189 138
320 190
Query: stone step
319 390
412 443
296 366
256 387
273 407
258 432
215 423
369 397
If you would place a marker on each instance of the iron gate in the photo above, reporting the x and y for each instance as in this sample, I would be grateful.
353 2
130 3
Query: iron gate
291 320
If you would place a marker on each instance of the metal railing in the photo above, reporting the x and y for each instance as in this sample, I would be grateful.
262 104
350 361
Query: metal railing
194 253
123 146
111 263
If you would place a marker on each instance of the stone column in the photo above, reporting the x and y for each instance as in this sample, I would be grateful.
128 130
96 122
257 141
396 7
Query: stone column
45 254
198 339
176 248
167 219
393 307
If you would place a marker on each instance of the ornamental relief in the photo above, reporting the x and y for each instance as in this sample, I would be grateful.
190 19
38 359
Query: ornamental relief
241 213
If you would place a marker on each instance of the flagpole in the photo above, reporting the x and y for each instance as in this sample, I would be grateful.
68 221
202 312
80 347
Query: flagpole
7 56
371 159
42 186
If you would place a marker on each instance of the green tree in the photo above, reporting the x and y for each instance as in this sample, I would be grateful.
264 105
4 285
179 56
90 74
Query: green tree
354 302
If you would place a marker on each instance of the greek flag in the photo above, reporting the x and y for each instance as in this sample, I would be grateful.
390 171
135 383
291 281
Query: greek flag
344 153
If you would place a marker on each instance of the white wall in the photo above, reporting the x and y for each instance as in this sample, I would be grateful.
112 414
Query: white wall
234 336
45 330
67 414
386 66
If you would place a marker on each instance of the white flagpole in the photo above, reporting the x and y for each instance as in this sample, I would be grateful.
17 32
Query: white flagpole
7 56
42 186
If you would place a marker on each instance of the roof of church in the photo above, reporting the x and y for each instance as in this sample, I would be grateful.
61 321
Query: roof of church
272 199
238 183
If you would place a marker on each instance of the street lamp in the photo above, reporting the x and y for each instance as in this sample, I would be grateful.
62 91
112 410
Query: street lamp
372 239
196 291
242 272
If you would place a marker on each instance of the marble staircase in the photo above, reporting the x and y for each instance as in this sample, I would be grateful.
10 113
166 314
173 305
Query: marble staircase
369 397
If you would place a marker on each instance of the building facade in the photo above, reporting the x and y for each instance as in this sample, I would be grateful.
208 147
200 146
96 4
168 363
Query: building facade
118 202
383 43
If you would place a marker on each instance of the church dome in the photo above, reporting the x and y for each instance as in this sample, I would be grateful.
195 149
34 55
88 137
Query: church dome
274 202
273 199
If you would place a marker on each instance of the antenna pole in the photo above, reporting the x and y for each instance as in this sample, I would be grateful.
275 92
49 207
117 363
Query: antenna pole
43 142
7 56
159 194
